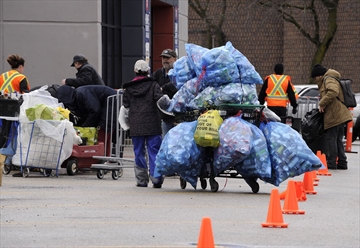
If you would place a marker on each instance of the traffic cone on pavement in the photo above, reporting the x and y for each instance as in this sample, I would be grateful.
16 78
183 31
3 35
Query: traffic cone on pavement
274 217
206 238
309 183
291 201
315 182
323 172
300 191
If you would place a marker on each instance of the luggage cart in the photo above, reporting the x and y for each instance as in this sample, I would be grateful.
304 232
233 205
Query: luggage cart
250 113
113 160
38 150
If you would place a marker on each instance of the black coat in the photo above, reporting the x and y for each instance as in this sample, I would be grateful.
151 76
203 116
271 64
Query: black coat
86 75
140 96
89 103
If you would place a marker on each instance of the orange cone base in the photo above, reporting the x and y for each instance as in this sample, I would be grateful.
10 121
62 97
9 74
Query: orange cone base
311 192
324 173
315 184
281 225
293 211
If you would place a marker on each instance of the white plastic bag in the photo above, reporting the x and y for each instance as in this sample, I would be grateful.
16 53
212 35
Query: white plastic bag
124 118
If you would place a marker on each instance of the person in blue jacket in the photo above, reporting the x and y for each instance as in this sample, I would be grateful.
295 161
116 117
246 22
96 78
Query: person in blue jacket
89 103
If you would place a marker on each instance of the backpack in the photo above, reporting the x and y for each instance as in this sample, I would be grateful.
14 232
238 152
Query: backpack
349 96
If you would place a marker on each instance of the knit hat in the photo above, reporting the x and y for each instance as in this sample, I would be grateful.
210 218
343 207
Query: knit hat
318 70
141 65
279 69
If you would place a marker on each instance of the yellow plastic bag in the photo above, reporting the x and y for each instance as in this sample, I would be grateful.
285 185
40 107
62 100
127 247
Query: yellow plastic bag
207 129
90 134
64 112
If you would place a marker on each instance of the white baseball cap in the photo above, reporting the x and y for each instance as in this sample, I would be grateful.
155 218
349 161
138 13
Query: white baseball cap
141 65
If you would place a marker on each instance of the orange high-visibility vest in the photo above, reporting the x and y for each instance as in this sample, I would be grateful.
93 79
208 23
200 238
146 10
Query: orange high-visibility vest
277 90
10 81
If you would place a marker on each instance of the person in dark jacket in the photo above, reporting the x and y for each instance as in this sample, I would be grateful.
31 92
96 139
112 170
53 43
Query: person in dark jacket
168 58
140 97
86 75
89 103
336 114
277 91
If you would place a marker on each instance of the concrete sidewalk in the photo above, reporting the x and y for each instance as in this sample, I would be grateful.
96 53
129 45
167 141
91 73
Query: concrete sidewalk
84 211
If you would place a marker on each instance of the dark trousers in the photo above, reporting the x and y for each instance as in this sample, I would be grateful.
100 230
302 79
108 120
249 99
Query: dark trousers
336 150
279 111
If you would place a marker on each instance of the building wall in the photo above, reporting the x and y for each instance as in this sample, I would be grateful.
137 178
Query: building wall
265 39
47 34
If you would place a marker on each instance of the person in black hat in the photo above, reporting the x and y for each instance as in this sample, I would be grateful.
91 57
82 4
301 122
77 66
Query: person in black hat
86 75
336 114
168 58
277 90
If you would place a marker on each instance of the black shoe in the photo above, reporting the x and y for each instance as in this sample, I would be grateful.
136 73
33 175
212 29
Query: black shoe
141 185
157 186
19 174
332 168
342 167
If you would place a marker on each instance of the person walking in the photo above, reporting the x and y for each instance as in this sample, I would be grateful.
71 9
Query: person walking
86 75
168 58
277 91
336 115
14 80
140 97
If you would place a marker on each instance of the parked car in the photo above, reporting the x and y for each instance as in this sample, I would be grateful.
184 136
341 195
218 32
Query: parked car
311 90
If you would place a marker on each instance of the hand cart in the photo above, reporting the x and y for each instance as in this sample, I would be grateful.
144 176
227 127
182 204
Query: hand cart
38 150
250 113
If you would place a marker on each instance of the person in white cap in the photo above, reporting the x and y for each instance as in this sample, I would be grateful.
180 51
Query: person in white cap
140 97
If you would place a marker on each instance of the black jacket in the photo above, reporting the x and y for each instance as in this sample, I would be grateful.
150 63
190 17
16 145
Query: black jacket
168 88
140 96
89 103
86 75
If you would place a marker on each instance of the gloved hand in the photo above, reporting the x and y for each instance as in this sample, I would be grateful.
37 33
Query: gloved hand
294 111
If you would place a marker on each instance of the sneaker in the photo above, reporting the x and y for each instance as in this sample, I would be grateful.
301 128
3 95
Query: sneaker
342 167
141 185
157 186
19 174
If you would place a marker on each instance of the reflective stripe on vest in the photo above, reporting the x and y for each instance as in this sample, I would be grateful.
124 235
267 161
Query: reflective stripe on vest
7 81
278 95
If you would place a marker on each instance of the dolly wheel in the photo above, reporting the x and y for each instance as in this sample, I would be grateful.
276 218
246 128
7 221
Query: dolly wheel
115 174
254 185
203 183
6 169
182 183
71 167
25 172
121 172
214 185
100 174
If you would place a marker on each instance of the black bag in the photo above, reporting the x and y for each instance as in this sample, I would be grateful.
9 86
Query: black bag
349 96
312 126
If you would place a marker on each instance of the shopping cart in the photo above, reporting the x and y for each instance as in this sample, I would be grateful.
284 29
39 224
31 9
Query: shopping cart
250 113
38 150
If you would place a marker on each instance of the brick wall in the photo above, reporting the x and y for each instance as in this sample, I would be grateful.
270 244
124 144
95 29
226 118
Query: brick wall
265 39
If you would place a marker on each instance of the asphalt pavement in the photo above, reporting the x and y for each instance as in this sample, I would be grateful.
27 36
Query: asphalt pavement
84 211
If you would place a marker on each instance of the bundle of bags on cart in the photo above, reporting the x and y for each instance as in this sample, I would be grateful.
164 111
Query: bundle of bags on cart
211 77
46 136
272 152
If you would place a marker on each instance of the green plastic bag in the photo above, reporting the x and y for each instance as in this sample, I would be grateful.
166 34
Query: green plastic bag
89 134
207 129
43 112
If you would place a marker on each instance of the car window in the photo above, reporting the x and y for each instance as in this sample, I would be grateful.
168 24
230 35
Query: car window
311 92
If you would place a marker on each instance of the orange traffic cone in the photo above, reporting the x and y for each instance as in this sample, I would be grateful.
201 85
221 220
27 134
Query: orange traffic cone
206 238
291 202
323 172
315 183
300 191
274 217
308 183
316 179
